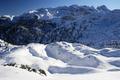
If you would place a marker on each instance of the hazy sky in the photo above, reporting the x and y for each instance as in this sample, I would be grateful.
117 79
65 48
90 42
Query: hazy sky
16 7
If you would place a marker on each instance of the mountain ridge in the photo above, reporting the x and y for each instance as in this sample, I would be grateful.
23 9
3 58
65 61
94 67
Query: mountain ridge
95 27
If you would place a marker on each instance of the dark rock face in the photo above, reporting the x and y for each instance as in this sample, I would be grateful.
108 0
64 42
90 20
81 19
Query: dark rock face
82 24
24 32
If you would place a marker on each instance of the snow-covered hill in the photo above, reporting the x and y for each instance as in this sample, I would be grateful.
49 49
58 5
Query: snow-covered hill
11 73
52 44
96 27
59 58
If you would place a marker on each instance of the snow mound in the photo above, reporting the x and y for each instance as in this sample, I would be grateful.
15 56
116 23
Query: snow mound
69 54
61 57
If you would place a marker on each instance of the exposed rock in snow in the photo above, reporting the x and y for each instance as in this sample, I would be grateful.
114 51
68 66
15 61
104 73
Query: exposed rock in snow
95 27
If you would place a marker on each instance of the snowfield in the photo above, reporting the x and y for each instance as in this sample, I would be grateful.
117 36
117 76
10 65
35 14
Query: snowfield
59 60
40 53
10 73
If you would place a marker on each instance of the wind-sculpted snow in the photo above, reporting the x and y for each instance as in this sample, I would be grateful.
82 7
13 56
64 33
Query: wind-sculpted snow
111 53
71 70
66 53
61 57
115 63
52 41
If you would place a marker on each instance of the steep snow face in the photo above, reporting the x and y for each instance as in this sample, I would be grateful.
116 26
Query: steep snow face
61 57
68 54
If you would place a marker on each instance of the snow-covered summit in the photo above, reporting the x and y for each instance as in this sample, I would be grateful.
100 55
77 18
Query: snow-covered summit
59 12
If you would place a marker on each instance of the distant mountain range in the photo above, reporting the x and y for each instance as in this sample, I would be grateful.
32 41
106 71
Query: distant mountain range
96 27
50 44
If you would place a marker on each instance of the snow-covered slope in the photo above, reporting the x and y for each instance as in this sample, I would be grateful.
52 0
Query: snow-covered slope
49 44
11 73
61 55
58 59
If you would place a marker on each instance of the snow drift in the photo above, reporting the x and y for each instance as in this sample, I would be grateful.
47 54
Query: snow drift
61 57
